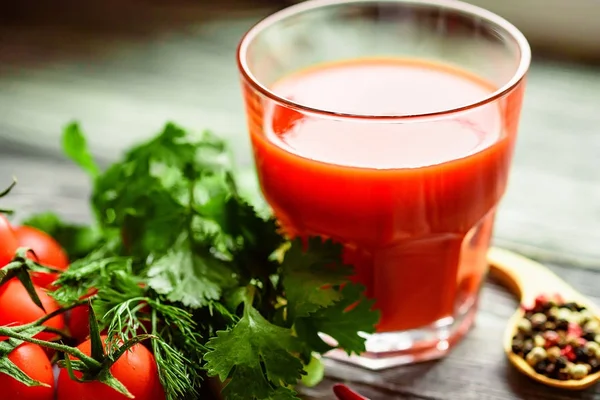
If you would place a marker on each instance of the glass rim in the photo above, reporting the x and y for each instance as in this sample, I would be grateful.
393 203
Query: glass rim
513 31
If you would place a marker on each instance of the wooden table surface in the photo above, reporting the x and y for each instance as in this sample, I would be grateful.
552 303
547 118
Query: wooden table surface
124 78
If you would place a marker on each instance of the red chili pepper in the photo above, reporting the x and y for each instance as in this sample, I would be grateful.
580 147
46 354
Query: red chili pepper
343 392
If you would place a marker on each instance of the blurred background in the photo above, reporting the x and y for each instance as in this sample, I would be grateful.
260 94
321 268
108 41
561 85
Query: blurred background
122 68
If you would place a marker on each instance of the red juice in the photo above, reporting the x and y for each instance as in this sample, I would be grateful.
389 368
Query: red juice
412 202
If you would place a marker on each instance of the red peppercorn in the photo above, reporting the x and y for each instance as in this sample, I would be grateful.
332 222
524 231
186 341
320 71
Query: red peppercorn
551 338
541 299
568 353
574 329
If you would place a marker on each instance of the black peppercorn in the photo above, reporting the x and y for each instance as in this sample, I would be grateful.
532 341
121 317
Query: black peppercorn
551 318
580 354
561 362
595 364
589 336
562 325
551 370
527 347
517 348
541 366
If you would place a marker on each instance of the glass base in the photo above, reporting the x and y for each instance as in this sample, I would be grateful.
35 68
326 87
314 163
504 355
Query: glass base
392 349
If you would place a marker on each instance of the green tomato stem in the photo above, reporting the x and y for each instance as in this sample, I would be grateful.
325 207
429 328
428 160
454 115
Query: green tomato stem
87 360
49 316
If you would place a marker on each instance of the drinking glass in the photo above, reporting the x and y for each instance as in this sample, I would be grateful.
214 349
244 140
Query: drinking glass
389 126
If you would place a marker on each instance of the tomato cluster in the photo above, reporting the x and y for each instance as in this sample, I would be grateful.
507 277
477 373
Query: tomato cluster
136 369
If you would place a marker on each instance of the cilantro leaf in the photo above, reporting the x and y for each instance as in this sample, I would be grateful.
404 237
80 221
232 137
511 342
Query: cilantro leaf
151 194
242 352
310 276
194 279
342 321
75 147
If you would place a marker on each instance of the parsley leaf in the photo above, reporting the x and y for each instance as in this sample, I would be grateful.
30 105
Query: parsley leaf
194 279
342 321
180 252
310 277
242 352
151 194
75 147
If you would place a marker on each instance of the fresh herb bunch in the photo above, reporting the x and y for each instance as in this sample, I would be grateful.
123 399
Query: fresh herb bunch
175 252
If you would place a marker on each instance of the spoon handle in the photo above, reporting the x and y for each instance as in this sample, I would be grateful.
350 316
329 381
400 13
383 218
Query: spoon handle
527 278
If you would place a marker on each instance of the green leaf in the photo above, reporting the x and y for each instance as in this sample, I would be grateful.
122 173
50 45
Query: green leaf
75 147
257 356
310 276
151 195
194 279
342 321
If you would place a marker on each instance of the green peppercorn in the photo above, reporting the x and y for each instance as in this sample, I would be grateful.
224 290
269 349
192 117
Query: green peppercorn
538 319
553 353
524 326
592 326
564 314
536 355
578 371
539 341
586 316
592 349
597 339
553 312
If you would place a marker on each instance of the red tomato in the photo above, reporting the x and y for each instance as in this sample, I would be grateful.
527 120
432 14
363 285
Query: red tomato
47 250
8 242
17 308
79 320
136 370
32 360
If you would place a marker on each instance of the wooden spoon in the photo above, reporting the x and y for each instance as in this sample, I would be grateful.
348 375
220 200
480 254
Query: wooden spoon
529 279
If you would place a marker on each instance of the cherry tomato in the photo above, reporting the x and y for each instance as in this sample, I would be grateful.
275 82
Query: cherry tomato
17 308
8 242
79 320
136 370
47 250
32 360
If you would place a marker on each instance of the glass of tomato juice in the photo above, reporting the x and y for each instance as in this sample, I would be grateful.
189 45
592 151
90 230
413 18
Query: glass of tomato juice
389 126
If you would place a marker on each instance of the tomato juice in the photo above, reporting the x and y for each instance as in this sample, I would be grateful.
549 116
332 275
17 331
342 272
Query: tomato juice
412 200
